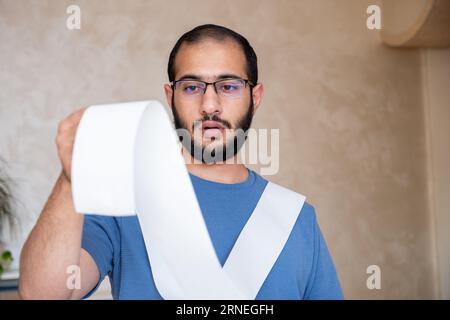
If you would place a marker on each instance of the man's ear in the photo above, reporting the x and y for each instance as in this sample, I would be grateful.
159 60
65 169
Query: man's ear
257 93
169 92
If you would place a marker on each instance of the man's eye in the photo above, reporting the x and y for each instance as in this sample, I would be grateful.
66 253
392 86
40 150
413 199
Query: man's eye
229 87
191 89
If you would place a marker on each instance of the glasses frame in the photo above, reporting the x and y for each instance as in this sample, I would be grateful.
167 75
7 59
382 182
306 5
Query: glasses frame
246 83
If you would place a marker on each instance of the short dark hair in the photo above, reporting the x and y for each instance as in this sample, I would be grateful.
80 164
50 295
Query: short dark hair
219 33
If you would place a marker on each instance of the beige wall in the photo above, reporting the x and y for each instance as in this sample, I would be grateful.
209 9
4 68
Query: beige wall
349 110
436 79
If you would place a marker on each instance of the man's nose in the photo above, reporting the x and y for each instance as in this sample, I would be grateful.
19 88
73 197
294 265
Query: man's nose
210 102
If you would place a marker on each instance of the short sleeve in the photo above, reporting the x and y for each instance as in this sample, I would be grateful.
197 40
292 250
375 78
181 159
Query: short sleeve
100 237
324 282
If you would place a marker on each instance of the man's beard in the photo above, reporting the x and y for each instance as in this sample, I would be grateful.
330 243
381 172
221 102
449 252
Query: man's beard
219 153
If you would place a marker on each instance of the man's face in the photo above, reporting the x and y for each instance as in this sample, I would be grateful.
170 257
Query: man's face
212 119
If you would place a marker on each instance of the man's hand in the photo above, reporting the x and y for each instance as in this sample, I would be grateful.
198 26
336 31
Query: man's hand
65 139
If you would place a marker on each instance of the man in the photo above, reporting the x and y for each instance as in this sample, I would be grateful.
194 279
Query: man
213 92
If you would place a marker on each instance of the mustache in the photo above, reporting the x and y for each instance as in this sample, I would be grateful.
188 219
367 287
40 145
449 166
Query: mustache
211 117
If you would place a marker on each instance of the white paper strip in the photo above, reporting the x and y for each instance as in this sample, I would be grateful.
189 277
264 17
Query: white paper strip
127 161
263 238
177 240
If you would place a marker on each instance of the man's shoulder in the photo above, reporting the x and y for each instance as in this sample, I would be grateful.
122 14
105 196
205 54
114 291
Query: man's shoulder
289 192
307 215
111 222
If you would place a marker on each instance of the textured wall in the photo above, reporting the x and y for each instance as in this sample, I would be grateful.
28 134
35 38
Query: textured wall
349 110
436 77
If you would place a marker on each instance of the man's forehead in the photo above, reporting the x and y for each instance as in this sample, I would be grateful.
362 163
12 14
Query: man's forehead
210 60
209 77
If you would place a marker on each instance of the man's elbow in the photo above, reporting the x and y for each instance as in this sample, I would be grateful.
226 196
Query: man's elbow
29 291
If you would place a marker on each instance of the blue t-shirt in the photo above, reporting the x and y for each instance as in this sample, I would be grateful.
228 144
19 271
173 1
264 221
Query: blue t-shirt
303 270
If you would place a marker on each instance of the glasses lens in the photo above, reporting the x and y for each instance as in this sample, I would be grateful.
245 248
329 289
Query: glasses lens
232 88
190 87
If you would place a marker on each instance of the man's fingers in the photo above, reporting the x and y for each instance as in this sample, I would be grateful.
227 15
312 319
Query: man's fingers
71 122
75 117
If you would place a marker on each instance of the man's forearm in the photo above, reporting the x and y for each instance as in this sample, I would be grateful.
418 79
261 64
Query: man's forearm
53 245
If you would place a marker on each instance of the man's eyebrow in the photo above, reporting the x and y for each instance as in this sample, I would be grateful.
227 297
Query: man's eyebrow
219 77
228 76
191 77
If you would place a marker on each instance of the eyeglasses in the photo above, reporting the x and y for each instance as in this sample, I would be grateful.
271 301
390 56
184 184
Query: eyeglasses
225 88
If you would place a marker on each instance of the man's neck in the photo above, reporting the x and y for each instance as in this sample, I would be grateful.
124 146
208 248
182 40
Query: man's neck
234 172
